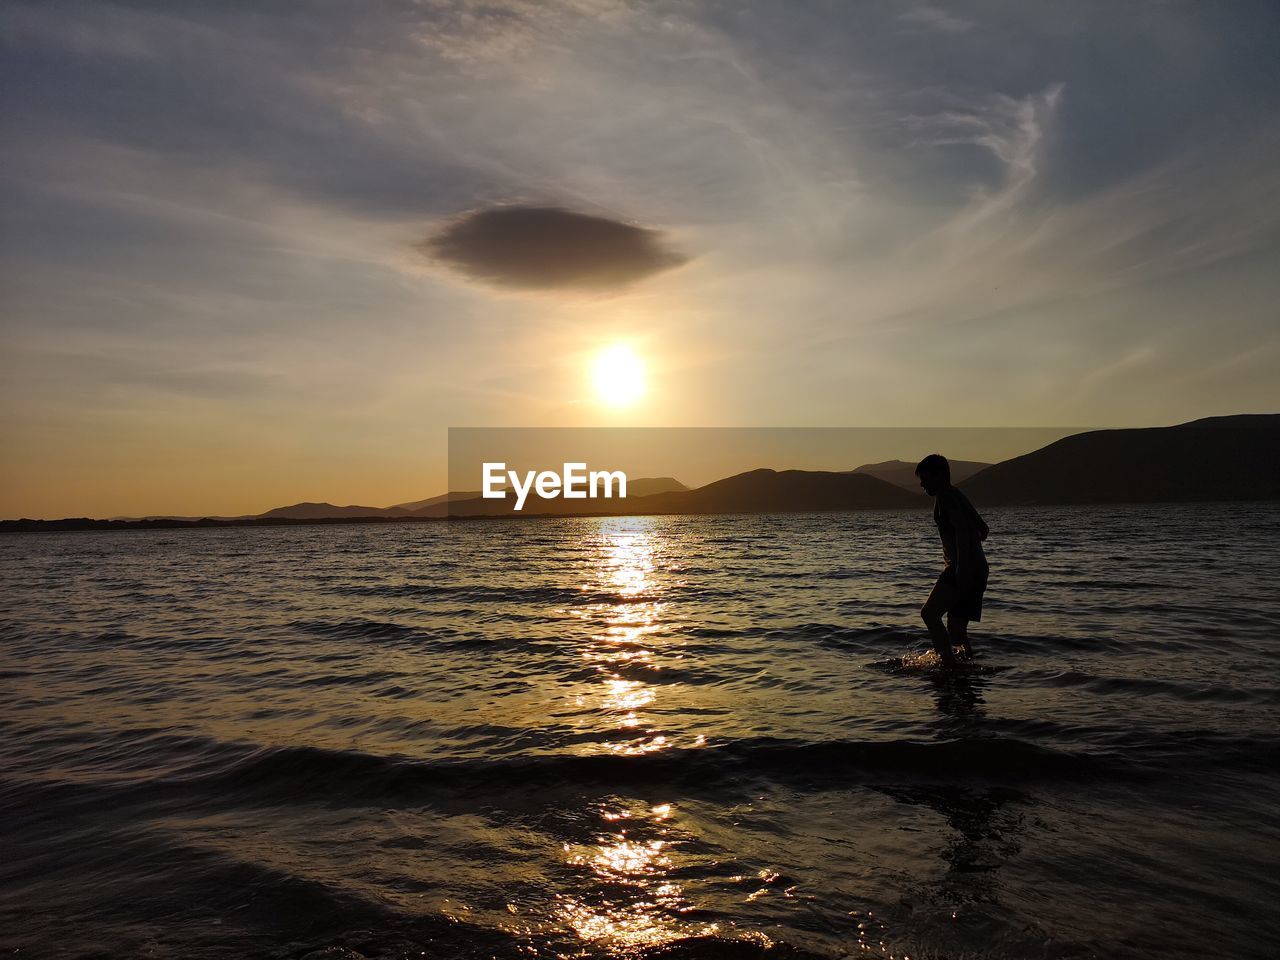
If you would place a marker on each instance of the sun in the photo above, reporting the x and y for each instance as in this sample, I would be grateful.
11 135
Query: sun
618 375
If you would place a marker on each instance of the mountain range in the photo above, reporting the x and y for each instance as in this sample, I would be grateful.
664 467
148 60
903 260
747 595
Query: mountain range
1217 458
902 473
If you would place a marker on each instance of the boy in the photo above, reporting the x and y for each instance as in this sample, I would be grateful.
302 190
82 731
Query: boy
958 592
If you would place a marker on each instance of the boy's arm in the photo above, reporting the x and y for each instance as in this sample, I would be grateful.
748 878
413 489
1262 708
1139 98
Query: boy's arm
971 514
970 531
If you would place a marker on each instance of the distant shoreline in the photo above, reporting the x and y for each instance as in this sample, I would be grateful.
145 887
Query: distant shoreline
55 526
85 524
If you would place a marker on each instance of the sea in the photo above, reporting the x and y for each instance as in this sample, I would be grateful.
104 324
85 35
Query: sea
643 737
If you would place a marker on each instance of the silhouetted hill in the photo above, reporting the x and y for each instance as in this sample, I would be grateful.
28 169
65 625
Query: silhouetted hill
171 516
318 511
648 486
785 491
757 491
459 504
903 474
1250 421
416 505
1218 458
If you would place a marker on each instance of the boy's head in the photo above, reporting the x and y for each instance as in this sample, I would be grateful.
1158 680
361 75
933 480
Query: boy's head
934 473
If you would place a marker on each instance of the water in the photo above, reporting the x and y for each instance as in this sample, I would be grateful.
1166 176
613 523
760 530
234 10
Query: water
658 737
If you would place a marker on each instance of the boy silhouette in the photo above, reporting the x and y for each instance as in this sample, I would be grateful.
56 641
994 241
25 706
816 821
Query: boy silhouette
958 592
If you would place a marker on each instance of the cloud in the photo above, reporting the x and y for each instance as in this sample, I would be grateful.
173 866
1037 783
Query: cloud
549 248
1011 128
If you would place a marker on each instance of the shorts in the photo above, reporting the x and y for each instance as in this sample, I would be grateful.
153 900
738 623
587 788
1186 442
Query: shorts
964 603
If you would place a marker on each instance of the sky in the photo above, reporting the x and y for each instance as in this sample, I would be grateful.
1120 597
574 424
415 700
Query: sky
256 253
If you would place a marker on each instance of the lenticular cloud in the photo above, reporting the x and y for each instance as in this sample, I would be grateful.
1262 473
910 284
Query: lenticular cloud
549 248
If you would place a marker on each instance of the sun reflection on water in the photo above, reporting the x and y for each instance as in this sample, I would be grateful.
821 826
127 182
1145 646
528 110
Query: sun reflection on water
628 643
630 899
628 695
638 905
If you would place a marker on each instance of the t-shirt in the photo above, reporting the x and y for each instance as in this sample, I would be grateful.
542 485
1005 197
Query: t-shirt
952 512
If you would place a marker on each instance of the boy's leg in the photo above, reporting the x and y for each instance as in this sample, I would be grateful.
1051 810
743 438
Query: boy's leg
932 612
958 628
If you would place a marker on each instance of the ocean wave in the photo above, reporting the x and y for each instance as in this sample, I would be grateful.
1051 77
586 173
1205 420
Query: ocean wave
286 773
1153 686
236 773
